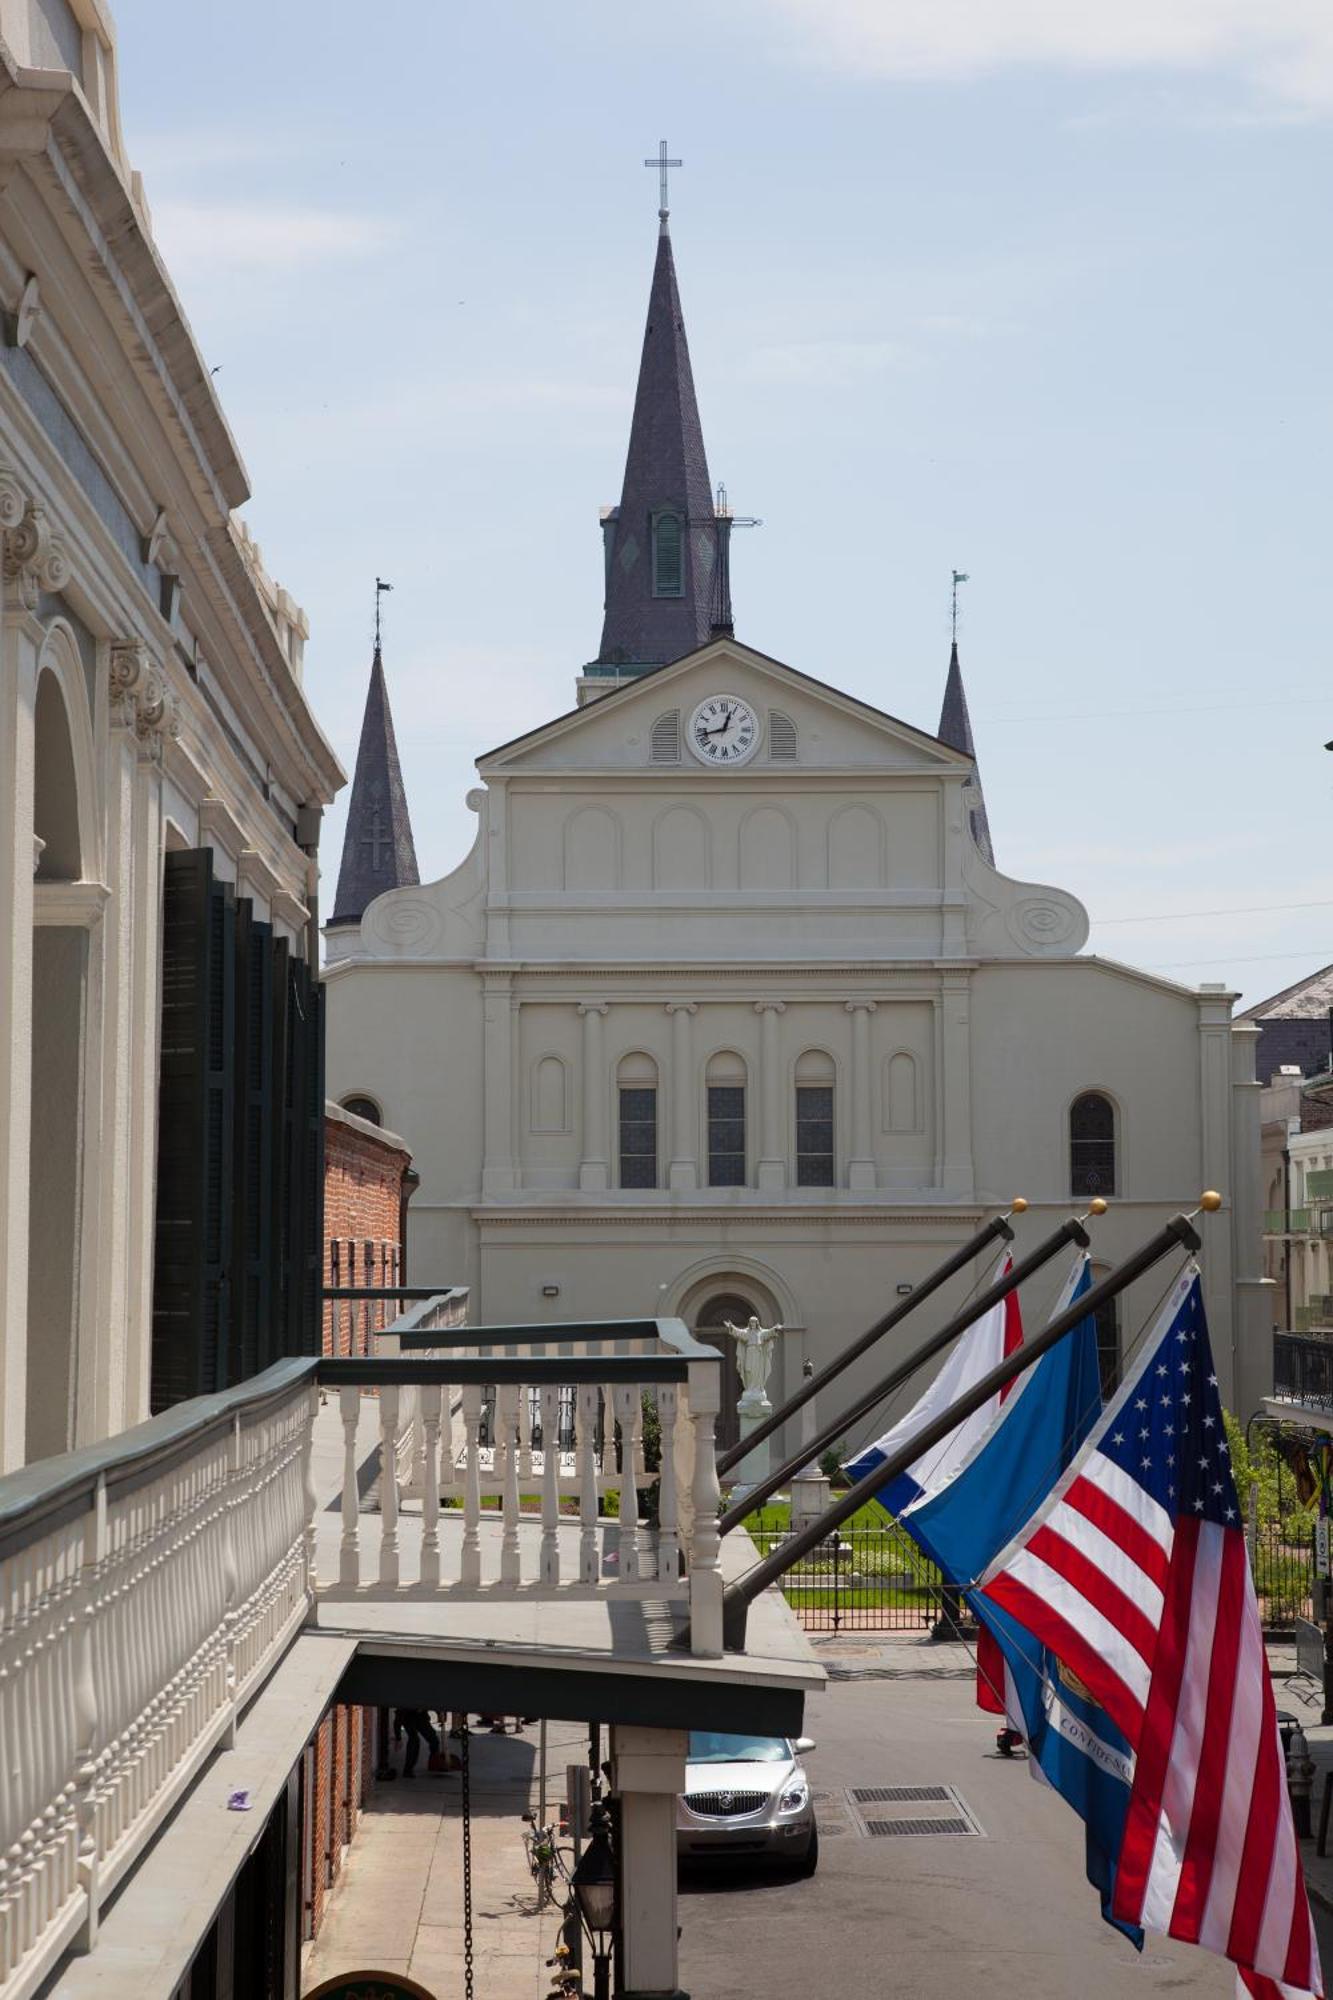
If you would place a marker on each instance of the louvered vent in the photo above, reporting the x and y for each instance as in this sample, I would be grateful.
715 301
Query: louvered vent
781 737
664 744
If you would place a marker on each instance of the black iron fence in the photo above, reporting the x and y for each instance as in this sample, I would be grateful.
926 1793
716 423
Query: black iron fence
877 1580
863 1580
1303 1368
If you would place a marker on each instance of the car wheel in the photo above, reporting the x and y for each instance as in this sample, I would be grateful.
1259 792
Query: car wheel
809 1861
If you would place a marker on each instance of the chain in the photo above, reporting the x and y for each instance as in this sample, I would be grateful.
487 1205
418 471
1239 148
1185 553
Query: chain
466 1761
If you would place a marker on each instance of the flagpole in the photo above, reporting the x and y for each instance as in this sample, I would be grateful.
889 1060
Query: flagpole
740 1594
996 1229
1071 1231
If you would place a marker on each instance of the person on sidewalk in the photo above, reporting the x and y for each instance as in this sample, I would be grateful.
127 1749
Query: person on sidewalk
415 1724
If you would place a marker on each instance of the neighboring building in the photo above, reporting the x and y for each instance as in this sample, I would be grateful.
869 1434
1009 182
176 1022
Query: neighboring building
368 1181
1295 1027
161 785
1296 1115
729 1009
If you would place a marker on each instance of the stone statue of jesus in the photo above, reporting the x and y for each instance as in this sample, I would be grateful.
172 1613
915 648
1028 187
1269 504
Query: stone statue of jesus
754 1357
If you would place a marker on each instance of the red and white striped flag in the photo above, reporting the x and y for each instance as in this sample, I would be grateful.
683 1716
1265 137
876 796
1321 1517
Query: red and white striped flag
1133 1571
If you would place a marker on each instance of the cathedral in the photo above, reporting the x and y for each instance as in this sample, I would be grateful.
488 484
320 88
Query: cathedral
730 1009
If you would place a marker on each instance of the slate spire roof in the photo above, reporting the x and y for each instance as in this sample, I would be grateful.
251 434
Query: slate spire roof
378 852
666 474
956 730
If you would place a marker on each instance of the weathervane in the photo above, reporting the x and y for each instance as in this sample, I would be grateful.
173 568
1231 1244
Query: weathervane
663 164
380 588
959 576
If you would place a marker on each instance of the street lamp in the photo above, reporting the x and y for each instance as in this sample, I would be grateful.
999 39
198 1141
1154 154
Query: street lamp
594 1883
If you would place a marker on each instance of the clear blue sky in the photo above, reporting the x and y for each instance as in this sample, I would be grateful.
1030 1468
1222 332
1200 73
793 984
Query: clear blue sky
1033 288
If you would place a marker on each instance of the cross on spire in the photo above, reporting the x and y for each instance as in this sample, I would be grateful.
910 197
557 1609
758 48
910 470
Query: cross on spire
379 840
663 165
959 576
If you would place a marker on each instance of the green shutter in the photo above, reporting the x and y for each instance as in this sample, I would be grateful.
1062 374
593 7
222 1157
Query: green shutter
252 1231
193 1240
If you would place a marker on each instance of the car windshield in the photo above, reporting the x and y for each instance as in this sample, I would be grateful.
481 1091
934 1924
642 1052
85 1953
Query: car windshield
707 1746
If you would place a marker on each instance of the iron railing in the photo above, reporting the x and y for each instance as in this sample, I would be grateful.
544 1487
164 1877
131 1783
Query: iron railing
1282 1560
862 1580
1303 1369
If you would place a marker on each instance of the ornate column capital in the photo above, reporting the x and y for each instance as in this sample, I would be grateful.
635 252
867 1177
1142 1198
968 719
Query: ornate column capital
860 1006
770 1006
34 556
682 1006
587 1007
141 699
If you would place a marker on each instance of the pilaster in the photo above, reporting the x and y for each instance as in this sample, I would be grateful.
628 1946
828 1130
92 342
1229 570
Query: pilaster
683 1167
861 1162
955 1083
20 640
594 1168
497 1173
772 1151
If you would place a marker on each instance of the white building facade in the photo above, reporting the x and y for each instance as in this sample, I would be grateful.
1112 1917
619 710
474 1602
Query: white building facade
150 703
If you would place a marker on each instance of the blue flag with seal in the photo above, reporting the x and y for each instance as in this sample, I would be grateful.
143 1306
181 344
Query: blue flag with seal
1072 1743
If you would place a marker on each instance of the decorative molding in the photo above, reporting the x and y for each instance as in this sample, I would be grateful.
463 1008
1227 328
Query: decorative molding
69 905
219 826
20 323
254 873
288 909
156 543
812 1216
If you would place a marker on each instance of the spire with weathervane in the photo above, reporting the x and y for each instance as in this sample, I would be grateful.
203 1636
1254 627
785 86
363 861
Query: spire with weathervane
956 730
378 851
661 542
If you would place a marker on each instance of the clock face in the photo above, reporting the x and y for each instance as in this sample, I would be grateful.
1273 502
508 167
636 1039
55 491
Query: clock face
723 730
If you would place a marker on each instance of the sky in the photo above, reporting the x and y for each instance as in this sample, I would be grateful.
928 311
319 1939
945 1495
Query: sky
1034 289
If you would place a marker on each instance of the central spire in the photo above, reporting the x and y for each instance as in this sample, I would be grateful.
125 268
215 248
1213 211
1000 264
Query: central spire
661 542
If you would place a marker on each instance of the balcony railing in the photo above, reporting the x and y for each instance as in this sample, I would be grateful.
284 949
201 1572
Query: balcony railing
1287 1222
1303 1370
1319 1184
150 1585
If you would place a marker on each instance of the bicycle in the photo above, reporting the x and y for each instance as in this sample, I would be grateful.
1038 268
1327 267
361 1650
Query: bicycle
539 1844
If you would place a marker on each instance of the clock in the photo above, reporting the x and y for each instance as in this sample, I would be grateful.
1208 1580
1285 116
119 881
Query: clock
723 730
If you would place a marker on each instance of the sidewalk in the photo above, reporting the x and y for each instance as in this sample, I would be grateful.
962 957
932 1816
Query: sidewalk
398 1903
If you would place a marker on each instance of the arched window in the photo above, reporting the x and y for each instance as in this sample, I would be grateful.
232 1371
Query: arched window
636 1087
725 1081
664 742
815 1162
668 556
363 1107
1092 1144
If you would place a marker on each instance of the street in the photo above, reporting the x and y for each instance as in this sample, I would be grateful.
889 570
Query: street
922 1917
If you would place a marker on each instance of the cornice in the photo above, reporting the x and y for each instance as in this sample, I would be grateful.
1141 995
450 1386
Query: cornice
879 1217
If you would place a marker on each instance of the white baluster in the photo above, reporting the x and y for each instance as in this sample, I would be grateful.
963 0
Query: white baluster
349 1549
705 1545
448 1446
429 1395
608 1434
389 1484
627 1398
525 1433
640 1464
586 1435
550 1560
309 1494
668 1537
506 1413
470 1572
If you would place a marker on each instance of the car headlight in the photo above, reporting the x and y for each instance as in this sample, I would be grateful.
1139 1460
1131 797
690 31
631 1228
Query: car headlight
794 1799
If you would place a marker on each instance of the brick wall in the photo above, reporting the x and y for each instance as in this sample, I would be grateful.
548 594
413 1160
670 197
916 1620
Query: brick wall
336 1780
364 1171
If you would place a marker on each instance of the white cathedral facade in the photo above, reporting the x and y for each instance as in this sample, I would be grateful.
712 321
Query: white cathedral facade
728 1008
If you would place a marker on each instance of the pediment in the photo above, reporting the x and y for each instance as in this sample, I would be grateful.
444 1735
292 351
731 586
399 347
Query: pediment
831 731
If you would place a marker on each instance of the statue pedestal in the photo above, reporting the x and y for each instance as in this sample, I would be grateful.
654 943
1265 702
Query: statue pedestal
809 1499
752 1409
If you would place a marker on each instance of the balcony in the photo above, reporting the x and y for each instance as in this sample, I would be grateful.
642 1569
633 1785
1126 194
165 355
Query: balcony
152 1586
1287 1222
1319 1185
1303 1371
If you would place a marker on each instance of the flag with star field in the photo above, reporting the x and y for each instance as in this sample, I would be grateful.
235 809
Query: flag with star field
1134 1572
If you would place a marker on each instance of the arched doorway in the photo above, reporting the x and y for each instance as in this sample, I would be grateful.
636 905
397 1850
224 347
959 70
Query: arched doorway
710 1326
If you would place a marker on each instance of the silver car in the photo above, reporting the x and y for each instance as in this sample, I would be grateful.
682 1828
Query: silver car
747 1795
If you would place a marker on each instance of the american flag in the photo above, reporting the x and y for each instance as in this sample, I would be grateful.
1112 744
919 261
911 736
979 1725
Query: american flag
1134 1572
